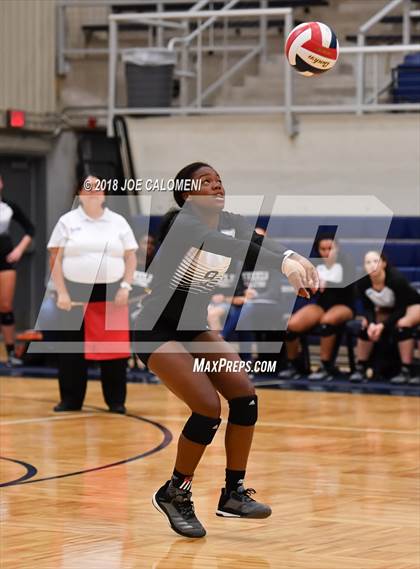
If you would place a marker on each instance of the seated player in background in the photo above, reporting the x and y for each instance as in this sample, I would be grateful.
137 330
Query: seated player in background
228 299
391 308
226 306
261 311
333 307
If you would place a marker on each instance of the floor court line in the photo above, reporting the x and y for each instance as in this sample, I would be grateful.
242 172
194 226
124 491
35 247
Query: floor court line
44 419
275 424
300 426
183 419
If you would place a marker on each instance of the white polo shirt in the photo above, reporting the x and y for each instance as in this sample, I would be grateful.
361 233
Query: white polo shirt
93 248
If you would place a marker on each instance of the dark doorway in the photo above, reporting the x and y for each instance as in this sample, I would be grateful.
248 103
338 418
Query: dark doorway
24 184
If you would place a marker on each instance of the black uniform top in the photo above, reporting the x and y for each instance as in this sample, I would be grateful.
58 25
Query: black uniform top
395 297
232 283
335 278
10 211
190 264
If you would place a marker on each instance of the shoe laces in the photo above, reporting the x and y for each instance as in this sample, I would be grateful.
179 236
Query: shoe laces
184 504
247 493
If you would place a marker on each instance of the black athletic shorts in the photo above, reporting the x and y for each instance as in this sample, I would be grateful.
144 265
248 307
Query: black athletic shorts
152 339
5 266
6 246
326 303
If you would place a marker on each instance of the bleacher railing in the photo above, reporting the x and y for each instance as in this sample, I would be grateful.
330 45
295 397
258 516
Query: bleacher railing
361 41
62 7
190 45
288 108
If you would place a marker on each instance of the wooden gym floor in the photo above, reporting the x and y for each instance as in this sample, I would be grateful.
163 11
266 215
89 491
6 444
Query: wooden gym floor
340 471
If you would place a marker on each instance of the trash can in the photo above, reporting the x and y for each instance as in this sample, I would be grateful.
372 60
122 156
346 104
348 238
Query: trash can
149 73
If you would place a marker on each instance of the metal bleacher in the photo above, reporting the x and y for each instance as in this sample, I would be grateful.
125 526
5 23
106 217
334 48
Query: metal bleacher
90 29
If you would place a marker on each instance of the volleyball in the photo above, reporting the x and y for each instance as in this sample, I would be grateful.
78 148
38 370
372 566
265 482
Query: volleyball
312 48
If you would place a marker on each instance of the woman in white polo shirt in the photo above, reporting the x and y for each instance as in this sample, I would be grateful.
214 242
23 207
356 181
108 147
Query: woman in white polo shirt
93 260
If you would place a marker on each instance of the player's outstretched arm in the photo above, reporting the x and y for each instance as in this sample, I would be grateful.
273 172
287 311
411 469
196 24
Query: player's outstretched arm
301 274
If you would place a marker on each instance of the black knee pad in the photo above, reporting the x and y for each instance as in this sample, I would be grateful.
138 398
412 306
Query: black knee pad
403 333
7 318
200 429
290 335
243 411
328 330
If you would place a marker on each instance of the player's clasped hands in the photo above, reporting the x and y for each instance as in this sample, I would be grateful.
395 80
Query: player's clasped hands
301 274
374 331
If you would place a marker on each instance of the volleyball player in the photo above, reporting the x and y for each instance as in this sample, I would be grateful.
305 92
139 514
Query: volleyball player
333 307
10 255
172 328
391 308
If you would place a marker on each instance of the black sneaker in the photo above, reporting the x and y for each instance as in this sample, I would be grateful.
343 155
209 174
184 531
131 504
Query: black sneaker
13 360
239 504
65 407
358 375
120 409
290 372
324 374
402 377
177 506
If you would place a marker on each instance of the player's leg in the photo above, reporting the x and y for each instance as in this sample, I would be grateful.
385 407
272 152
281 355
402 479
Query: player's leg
301 321
406 343
331 320
233 383
363 351
172 363
7 319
